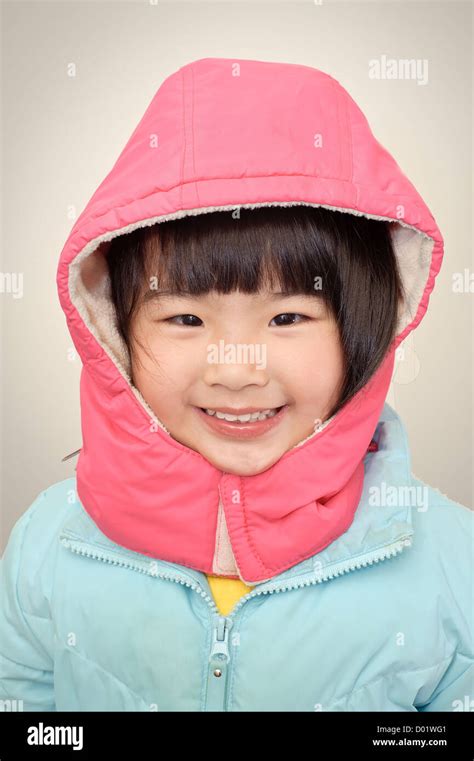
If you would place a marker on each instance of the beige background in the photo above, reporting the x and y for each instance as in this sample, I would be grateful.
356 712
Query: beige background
61 135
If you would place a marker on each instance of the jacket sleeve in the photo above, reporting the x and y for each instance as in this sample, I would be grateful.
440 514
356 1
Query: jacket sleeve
26 663
455 690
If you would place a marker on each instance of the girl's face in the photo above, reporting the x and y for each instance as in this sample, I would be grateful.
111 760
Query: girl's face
237 351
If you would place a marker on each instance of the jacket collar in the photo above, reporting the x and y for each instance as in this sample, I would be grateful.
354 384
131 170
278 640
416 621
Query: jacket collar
382 522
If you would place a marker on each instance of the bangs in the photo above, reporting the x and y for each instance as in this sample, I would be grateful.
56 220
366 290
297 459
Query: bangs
259 250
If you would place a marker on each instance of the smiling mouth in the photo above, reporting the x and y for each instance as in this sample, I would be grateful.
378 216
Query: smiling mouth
247 417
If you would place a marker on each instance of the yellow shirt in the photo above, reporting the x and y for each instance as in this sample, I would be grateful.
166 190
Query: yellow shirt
226 592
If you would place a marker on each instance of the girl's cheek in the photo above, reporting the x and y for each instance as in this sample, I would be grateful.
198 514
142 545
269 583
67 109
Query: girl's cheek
321 349
320 367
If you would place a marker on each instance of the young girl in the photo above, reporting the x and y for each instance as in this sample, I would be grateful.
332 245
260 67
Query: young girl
243 532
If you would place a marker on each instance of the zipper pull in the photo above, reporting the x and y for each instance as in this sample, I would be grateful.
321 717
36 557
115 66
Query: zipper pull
220 640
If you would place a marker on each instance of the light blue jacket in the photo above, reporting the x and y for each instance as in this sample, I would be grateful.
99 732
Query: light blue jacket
380 620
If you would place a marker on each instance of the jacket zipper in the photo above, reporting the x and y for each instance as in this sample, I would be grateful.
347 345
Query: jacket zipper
220 640
382 553
219 657
81 548
346 566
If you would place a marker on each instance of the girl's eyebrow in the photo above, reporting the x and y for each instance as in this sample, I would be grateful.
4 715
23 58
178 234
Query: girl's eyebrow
154 293
159 295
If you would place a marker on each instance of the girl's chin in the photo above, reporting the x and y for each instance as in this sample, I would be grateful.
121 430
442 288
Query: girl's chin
240 458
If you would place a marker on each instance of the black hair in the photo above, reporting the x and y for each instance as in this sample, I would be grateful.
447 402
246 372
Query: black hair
275 246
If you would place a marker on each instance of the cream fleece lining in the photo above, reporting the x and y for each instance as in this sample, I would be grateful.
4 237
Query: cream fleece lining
90 292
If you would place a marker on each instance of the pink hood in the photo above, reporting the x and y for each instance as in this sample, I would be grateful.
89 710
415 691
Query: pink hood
231 133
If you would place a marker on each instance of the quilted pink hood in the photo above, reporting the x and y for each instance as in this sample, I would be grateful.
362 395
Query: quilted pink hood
231 133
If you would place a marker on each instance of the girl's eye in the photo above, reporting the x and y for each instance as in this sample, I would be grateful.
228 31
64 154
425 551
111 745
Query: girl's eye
290 314
179 316
190 317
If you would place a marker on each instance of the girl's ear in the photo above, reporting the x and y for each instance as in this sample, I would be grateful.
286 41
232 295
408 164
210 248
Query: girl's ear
93 272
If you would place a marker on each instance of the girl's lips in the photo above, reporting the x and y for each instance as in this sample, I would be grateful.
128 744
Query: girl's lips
239 430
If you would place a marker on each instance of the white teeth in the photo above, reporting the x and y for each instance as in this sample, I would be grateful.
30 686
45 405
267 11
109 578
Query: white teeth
261 415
